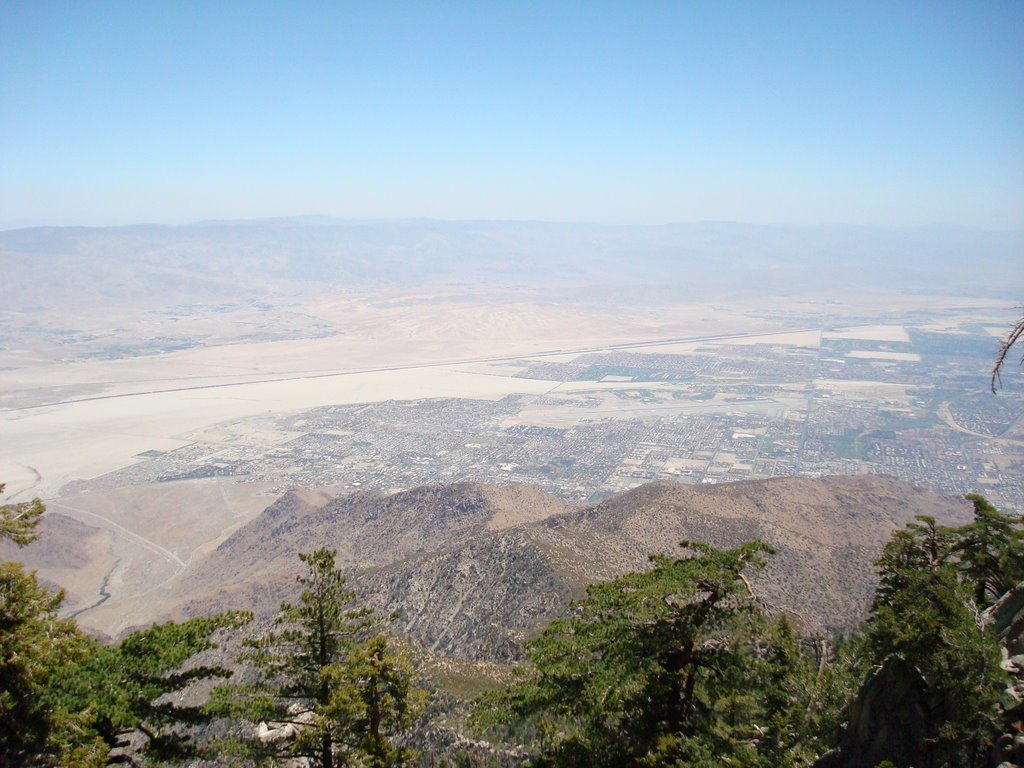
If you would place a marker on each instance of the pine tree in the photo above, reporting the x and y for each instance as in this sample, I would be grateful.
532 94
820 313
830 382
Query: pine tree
128 688
991 551
66 699
314 673
664 667
36 650
18 521
372 701
925 610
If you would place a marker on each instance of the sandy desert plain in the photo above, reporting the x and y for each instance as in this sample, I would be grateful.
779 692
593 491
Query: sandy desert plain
119 551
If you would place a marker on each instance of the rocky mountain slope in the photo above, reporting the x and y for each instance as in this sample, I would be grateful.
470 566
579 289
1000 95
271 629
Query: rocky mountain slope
826 532
474 569
365 529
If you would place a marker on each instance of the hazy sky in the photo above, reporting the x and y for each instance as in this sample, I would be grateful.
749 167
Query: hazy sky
893 113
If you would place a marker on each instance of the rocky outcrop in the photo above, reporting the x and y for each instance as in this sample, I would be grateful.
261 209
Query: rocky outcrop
256 566
892 714
478 601
475 568
1007 618
888 721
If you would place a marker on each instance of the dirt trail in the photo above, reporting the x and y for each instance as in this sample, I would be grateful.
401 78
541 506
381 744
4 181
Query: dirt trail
152 546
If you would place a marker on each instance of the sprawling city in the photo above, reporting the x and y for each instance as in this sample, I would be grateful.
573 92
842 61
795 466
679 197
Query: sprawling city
883 399
512 384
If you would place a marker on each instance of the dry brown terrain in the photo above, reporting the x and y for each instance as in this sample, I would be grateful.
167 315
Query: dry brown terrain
129 549
66 419
119 344
119 555
466 589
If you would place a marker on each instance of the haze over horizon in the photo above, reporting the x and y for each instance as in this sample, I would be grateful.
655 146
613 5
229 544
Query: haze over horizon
322 218
850 113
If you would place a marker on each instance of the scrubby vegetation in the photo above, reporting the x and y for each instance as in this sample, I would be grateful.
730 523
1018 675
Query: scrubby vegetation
68 700
683 666
680 665
334 690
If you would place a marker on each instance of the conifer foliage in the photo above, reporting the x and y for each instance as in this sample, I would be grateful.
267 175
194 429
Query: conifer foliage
934 584
36 649
129 689
67 700
677 665
18 521
682 666
331 690
373 700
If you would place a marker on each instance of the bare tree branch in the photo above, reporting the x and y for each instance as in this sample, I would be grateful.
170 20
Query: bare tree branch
1012 338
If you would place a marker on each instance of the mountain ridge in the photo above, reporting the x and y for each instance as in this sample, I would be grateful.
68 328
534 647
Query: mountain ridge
213 261
381 527
465 587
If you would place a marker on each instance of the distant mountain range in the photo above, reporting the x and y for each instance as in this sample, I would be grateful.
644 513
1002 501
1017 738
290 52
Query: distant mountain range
213 261
474 569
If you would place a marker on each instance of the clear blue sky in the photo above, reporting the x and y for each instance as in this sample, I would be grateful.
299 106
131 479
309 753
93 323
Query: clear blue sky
892 113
